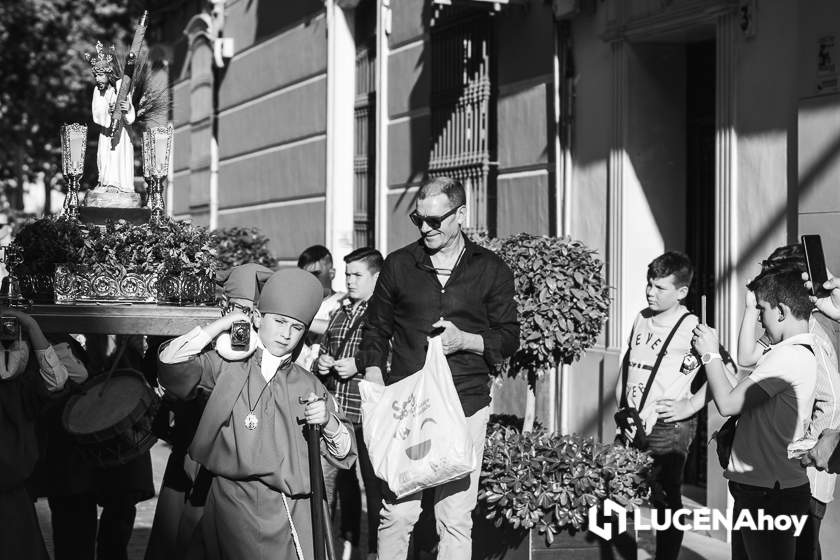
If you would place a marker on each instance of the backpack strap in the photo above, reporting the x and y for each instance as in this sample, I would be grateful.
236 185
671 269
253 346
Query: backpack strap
659 360
625 367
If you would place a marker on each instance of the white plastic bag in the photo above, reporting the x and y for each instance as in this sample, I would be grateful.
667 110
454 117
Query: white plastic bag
415 429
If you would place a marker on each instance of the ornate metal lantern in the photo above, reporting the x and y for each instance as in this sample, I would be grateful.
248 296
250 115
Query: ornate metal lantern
73 147
157 149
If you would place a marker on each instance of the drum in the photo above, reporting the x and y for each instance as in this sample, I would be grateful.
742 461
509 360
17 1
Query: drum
111 419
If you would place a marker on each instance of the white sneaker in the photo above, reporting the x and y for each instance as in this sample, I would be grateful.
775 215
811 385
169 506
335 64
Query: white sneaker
347 551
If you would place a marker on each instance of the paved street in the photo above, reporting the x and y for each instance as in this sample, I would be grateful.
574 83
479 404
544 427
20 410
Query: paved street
696 546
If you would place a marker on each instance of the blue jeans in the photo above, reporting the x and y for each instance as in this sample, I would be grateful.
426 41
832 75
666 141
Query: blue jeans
669 443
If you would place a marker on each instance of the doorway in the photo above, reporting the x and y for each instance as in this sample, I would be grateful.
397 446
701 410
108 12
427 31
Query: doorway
700 96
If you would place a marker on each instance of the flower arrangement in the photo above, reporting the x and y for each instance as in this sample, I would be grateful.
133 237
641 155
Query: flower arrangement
548 482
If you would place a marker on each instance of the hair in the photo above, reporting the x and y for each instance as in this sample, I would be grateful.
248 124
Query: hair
672 262
786 257
370 256
452 188
777 285
313 254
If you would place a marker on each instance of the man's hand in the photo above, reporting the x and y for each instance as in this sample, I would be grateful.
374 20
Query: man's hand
345 367
124 106
374 375
456 340
820 456
830 304
705 340
325 363
671 410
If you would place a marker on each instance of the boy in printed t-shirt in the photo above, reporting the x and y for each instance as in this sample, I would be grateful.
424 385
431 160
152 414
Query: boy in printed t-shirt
664 326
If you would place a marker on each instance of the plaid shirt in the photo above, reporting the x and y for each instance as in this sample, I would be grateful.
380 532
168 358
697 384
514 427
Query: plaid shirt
346 391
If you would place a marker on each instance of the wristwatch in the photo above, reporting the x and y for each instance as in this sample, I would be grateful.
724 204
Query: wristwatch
708 357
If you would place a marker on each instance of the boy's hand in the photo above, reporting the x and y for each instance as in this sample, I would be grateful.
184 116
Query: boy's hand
705 340
750 301
672 410
821 455
345 367
325 363
315 411
830 304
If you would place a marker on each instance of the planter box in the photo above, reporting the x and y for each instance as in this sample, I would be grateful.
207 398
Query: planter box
186 290
493 543
104 284
37 287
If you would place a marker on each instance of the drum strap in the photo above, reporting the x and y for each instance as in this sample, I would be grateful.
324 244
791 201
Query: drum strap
295 537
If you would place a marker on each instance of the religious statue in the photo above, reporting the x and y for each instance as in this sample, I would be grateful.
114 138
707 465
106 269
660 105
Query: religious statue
116 164
123 105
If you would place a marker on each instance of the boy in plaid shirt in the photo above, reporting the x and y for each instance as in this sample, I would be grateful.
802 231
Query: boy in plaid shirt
336 366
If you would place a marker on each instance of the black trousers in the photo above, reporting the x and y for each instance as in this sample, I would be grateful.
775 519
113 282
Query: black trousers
808 543
75 527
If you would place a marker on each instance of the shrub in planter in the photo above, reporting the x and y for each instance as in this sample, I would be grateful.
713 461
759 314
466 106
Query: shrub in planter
240 245
548 482
562 299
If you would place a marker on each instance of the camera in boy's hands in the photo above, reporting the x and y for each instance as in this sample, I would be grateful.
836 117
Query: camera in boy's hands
240 335
9 328
628 421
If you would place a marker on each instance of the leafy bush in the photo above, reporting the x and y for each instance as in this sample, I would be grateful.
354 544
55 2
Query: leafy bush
549 481
239 245
168 248
561 295
44 243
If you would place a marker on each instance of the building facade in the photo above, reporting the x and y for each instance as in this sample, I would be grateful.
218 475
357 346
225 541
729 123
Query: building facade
636 126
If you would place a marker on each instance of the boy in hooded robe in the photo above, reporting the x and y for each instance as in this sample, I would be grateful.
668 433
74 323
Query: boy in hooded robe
185 483
30 374
251 435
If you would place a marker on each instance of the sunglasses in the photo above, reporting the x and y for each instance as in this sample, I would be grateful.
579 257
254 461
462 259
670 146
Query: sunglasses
433 221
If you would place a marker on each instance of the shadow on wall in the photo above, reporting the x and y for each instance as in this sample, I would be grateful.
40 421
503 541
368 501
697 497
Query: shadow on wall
273 16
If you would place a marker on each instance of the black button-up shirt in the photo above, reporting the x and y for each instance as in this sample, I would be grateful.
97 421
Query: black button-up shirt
409 299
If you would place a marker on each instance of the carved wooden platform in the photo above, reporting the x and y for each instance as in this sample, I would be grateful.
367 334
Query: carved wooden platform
149 319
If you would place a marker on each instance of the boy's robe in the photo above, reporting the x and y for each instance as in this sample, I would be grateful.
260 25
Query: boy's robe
21 399
245 516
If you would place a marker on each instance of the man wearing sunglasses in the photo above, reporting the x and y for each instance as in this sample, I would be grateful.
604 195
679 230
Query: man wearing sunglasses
442 284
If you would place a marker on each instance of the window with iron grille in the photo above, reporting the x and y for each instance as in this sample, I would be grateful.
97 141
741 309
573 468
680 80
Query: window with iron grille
364 151
462 107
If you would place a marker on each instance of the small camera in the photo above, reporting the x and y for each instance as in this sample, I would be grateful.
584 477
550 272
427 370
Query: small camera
240 335
9 328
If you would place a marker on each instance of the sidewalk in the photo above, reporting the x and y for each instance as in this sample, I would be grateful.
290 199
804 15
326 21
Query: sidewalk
696 545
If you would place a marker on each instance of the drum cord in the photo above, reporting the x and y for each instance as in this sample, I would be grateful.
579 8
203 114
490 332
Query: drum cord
120 352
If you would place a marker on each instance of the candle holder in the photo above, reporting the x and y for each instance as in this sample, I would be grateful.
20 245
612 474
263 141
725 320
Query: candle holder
10 287
157 148
73 147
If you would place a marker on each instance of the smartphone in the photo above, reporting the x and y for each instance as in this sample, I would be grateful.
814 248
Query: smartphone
815 260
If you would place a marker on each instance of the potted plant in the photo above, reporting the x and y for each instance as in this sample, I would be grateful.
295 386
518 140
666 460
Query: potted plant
235 246
562 301
536 490
189 262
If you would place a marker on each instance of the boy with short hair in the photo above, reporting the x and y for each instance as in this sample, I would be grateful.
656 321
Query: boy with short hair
250 435
775 404
652 373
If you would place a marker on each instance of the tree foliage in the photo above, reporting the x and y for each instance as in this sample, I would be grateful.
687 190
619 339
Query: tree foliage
46 81
562 299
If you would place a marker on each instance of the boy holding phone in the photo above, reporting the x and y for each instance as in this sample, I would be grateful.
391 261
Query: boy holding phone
775 404
653 370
